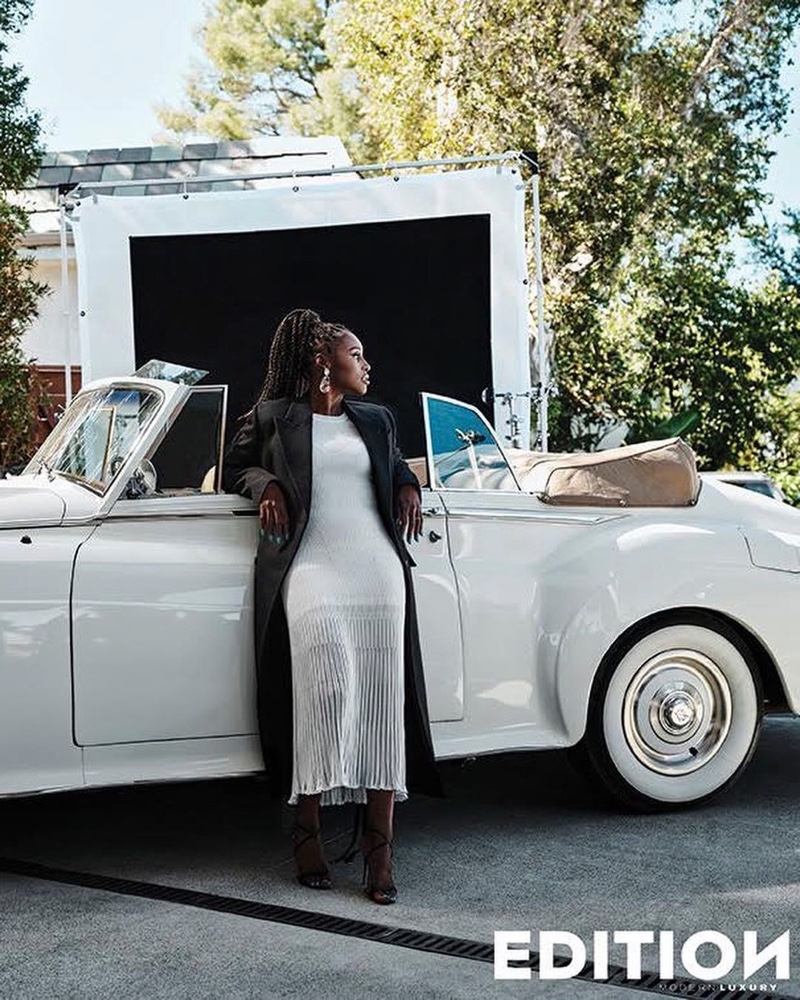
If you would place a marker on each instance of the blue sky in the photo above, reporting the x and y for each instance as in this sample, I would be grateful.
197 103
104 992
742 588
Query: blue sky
97 69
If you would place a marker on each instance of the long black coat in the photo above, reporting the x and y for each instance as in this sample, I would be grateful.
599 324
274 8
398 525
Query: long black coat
274 445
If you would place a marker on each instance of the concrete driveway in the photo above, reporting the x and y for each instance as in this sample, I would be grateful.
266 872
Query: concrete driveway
521 843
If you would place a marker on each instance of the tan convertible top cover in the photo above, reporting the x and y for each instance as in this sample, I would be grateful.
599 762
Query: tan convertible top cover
651 474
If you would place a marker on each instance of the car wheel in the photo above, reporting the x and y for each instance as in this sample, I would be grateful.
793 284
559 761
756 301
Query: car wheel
675 714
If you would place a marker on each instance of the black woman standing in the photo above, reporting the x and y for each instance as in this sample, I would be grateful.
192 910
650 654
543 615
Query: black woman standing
342 704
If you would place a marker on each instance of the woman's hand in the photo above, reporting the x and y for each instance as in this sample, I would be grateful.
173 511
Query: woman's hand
409 512
274 515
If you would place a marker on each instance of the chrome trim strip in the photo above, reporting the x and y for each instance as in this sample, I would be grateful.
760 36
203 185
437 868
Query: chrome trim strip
545 518
170 516
24 526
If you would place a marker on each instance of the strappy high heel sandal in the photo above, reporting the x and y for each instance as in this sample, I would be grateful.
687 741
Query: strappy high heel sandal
319 878
383 893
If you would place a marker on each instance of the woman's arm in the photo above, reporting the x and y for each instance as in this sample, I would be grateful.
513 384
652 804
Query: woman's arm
242 471
407 493
401 473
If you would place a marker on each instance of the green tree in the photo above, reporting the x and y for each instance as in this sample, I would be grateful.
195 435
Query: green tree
781 449
653 154
267 69
20 155
779 248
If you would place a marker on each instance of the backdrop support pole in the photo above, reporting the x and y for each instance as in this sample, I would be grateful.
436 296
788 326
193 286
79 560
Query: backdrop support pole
541 346
65 301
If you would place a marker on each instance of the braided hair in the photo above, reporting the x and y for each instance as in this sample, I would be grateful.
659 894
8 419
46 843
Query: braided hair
300 335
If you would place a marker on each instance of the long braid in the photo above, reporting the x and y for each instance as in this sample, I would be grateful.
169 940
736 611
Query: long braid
300 334
289 355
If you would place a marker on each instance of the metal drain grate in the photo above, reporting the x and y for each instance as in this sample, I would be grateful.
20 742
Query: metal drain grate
400 937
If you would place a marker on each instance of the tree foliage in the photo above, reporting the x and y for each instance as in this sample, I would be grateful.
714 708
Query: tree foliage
19 158
267 69
779 248
653 132
653 152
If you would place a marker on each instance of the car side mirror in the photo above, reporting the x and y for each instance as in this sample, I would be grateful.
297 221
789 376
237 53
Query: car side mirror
143 481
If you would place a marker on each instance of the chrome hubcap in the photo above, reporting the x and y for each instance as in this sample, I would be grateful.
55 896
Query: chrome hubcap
677 711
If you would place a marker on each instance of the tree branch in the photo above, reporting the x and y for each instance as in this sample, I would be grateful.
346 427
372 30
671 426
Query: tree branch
733 21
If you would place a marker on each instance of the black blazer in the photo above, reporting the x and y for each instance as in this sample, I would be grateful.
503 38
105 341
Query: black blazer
274 445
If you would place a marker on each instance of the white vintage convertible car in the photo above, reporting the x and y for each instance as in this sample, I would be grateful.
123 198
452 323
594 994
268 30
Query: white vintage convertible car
615 603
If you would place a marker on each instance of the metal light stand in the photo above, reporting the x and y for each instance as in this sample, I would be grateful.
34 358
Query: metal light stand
539 393
507 399
543 390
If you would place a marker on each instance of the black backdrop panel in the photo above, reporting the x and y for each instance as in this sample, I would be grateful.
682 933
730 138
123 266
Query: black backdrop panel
416 292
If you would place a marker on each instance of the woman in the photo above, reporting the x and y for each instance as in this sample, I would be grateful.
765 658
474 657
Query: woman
342 705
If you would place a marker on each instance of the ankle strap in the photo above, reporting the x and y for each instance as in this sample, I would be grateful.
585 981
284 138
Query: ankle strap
310 833
359 827
385 842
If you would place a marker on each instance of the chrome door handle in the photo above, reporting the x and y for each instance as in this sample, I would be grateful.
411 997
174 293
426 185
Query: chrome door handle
434 536
430 512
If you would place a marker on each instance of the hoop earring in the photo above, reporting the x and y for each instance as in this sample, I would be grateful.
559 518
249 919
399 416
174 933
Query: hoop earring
325 383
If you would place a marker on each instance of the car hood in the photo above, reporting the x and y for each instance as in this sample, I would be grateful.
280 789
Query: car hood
29 502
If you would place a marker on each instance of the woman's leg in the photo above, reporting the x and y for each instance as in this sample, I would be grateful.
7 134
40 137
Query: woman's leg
307 844
378 845
307 810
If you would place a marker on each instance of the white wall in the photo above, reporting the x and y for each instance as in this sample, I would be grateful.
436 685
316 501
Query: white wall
46 337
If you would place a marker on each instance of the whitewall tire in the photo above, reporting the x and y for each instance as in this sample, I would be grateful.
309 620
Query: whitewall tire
675 714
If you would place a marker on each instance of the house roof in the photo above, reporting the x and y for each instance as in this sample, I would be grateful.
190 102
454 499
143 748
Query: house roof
203 166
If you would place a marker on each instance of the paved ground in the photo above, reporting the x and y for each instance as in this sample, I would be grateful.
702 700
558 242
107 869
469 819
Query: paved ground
520 843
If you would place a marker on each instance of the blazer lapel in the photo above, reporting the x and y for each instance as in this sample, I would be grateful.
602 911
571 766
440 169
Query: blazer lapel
371 428
293 429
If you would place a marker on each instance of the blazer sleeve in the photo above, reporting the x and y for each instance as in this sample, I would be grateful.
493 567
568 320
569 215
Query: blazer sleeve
401 473
242 470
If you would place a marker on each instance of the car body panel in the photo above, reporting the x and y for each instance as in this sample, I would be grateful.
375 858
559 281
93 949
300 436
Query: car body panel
172 760
36 746
174 590
545 594
500 545
438 614
30 504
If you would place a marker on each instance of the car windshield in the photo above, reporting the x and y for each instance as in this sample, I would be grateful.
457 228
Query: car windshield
96 434
757 486
465 454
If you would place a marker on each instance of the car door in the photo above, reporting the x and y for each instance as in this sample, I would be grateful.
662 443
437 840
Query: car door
502 545
437 609
162 600
36 555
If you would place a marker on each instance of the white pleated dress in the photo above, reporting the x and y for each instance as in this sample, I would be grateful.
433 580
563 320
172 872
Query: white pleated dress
344 596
